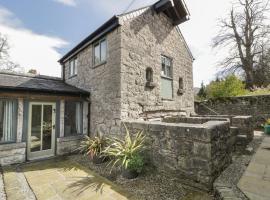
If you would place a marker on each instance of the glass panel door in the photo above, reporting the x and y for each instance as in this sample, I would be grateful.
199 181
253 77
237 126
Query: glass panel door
41 139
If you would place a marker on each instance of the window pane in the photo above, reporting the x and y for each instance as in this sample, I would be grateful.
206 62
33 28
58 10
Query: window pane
7 121
75 65
166 88
36 128
73 118
103 50
71 67
47 127
96 54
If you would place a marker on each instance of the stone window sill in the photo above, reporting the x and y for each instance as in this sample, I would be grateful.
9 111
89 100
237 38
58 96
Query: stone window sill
73 76
99 64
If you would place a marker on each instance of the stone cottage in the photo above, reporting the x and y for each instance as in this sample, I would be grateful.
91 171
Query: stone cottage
137 65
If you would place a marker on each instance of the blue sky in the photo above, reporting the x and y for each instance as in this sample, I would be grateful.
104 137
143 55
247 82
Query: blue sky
41 31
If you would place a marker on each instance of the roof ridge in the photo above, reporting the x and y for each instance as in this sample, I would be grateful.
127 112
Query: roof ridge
134 10
30 76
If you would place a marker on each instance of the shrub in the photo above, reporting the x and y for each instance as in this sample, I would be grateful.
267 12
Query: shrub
127 153
229 87
93 146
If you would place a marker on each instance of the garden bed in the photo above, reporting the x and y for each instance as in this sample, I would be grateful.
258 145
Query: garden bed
150 185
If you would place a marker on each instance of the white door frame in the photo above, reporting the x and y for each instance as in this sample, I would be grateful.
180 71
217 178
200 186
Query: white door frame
42 153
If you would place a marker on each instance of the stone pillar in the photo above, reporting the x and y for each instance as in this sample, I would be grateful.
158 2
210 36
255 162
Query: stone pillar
20 120
62 118
85 117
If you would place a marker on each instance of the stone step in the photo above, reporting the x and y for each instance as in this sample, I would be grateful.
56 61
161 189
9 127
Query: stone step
241 140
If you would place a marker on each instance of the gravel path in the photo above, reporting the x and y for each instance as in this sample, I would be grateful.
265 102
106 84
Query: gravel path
227 182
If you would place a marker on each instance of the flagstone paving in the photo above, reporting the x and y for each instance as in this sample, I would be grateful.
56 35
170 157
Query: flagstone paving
255 182
58 179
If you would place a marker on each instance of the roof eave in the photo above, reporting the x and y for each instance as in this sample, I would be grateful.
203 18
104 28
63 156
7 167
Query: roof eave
174 9
108 26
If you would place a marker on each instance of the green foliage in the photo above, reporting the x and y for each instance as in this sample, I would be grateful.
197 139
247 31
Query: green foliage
136 163
126 153
93 146
202 92
267 122
229 87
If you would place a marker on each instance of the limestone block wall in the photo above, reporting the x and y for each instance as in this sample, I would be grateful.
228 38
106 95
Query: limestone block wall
143 40
256 106
243 124
103 82
195 153
67 145
12 153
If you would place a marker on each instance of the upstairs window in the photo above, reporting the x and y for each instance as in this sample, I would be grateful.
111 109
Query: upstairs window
100 52
73 65
166 67
166 78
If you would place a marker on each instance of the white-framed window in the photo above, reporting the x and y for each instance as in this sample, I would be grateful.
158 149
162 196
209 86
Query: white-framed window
8 120
100 52
73 118
166 78
73 66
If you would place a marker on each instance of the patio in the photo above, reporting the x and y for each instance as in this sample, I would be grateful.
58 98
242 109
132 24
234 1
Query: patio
58 179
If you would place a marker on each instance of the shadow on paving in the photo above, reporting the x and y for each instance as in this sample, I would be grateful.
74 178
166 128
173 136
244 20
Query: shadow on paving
60 178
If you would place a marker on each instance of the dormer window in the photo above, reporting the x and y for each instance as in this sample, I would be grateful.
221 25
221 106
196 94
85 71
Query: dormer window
73 65
100 52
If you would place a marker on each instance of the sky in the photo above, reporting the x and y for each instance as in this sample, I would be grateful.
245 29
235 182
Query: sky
41 31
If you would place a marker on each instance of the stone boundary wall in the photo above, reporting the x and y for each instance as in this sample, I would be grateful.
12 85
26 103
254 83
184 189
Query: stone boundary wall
240 124
12 153
256 106
195 153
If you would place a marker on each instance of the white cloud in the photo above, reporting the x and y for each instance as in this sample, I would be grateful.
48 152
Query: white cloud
29 49
67 2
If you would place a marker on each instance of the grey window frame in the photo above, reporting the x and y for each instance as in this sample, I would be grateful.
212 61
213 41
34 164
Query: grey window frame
73 64
168 77
15 120
81 123
98 43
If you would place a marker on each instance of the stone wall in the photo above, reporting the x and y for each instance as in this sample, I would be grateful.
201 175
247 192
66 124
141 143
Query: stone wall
256 106
240 124
103 82
143 40
194 153
12 153
68 145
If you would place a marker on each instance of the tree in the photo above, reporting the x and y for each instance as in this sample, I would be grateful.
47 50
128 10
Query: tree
230 86
202 92
245 32
262 70
5 63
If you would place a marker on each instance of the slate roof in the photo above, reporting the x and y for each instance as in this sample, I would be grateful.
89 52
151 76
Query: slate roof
38 84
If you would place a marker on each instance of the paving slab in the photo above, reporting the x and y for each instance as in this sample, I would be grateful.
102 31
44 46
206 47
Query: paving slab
255 182
59 179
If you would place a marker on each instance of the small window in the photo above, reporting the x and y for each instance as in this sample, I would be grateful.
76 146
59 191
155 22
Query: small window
73 65
73 118
166 67
166 78
100 52
8 121
181 83
149 74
